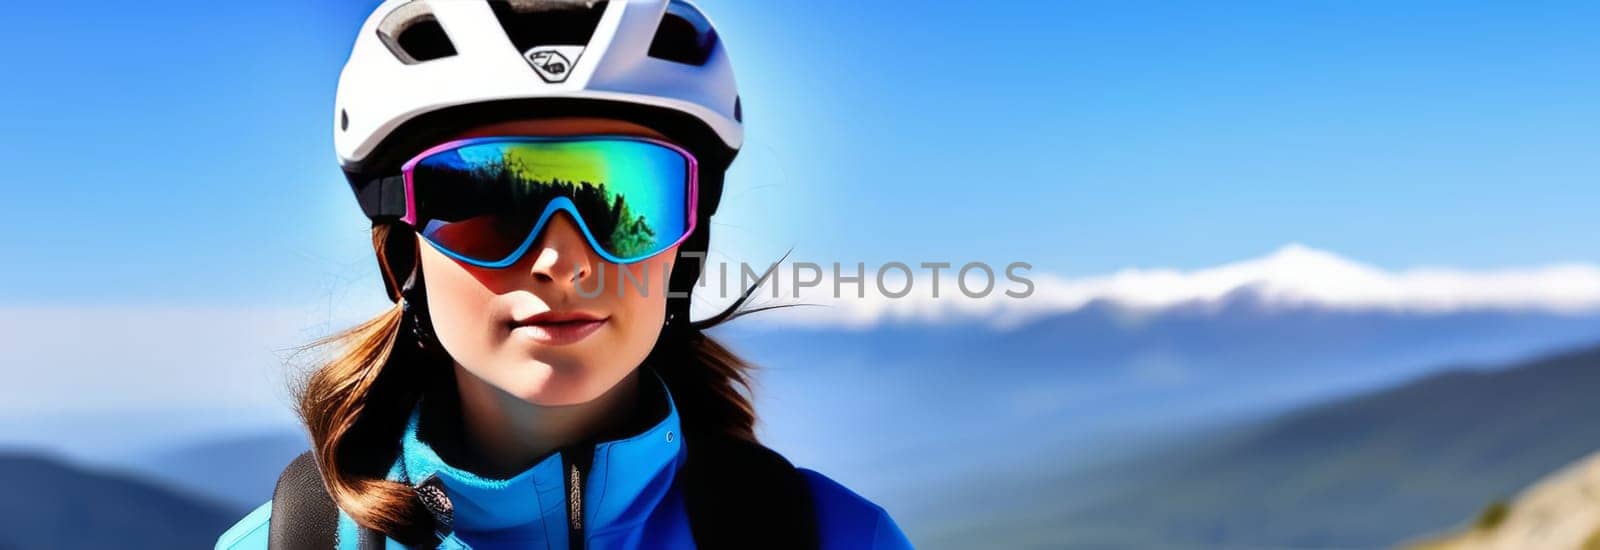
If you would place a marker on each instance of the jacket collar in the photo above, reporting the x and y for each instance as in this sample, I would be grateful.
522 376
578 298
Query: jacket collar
627 477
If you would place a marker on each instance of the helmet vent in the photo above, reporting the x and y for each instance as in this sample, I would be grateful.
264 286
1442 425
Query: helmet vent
685 35
532 23
413 35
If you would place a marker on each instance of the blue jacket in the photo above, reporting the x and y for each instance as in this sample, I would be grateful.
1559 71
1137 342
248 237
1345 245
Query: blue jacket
632 500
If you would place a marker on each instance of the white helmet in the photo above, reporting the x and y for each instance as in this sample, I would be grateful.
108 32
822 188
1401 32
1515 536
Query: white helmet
423 69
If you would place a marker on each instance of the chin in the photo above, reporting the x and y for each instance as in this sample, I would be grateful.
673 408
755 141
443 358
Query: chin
545 385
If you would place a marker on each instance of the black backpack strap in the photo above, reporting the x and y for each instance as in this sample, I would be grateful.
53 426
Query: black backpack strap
303 515
741 494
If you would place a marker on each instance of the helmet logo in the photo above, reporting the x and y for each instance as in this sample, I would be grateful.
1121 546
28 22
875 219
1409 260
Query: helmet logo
553 63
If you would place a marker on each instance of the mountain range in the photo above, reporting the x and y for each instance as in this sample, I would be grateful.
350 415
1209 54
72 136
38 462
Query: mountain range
1366 471
50 503
1061 392
1126 461
1073 385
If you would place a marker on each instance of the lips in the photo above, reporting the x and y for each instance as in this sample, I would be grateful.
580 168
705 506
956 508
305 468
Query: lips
558 327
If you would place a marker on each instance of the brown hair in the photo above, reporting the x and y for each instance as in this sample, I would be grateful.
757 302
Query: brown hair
356 404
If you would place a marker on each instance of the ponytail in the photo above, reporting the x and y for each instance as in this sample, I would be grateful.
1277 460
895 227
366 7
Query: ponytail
355 407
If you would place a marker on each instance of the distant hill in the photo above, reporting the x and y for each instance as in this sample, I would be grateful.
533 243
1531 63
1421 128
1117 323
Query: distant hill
239 472
48 504
1362 472
1561 512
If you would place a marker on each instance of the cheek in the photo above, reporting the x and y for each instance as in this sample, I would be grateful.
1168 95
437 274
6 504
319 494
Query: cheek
456 304
643 306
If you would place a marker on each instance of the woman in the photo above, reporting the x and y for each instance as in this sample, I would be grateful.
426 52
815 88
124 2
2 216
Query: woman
538 174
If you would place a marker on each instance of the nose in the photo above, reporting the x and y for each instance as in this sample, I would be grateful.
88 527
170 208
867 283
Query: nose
561 254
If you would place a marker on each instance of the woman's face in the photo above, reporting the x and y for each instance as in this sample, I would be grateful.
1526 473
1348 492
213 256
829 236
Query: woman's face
485 317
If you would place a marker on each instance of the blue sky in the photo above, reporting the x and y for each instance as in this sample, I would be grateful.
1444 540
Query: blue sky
181 152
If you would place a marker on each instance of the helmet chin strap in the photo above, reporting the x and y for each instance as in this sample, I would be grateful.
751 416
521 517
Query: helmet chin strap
685 275
677 319
414 312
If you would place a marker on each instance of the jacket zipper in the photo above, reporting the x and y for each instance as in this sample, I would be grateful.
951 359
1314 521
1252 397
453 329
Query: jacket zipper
577 460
